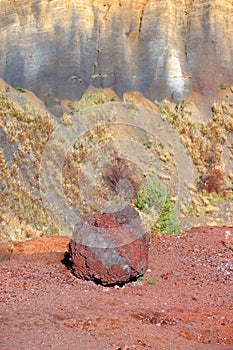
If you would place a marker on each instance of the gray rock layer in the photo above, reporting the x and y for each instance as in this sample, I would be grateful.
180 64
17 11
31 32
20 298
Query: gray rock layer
162 48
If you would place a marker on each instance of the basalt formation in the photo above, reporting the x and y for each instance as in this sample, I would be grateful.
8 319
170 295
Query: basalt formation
109 248
161 48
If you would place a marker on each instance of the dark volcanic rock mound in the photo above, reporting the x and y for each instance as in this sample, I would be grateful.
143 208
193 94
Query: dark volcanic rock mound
109 248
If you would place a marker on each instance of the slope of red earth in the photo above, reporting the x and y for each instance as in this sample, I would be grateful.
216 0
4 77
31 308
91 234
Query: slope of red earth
184 302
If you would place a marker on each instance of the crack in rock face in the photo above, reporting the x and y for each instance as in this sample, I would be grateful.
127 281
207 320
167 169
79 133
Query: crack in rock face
162 49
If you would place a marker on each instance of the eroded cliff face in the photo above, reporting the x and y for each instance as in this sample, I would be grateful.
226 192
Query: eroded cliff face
162 48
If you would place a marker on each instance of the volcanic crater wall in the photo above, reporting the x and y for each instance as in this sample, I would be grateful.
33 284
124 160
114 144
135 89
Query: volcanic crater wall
163 48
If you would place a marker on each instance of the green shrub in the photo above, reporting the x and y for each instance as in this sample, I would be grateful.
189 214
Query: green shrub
168 221
148 144
157 208
93 99
222 86
20 89
141 199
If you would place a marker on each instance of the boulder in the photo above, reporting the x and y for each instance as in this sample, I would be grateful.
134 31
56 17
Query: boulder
109 248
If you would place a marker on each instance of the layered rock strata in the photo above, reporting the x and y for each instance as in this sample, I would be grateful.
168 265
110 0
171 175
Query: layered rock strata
161 48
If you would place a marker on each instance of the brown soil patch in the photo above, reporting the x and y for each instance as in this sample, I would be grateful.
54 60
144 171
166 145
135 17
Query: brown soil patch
184 302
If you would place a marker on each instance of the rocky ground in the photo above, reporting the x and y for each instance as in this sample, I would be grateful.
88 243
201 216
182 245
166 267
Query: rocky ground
184 302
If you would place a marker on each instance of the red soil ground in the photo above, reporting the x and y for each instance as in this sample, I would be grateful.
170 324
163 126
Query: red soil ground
184 302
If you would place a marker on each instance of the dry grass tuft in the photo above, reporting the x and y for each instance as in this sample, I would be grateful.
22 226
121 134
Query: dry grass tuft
26 134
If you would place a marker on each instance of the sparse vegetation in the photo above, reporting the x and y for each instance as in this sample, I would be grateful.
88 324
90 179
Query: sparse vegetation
20 89
26 136
157 208
73 109
222 86
212 181
151 282
27 132
204 140
93 99
206 143
151 196
168 221
121 170
142 198
148 144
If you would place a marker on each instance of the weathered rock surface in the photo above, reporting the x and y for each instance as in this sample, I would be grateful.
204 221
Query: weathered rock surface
161 48
109 248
